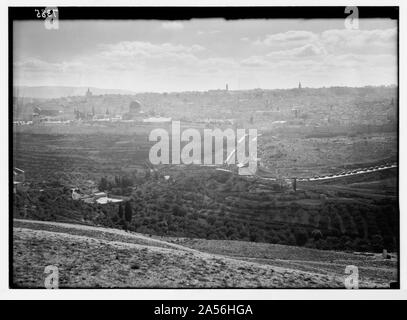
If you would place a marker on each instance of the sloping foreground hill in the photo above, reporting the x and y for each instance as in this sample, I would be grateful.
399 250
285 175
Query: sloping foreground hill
372 268
94 257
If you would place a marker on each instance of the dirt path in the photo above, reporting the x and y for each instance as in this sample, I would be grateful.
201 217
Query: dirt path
117 232
89 256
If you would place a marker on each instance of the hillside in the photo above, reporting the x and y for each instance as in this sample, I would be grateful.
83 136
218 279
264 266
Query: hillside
333 130
92 257
352 213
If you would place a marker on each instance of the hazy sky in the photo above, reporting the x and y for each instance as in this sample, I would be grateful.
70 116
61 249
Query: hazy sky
205 54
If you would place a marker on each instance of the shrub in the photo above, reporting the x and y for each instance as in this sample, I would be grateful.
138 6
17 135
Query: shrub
377 242
316 234
178 211
301 237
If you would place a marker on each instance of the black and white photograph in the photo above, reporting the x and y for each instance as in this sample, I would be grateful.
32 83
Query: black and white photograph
204 148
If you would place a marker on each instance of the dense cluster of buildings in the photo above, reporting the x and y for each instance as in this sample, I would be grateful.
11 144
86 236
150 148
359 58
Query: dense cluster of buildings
88 110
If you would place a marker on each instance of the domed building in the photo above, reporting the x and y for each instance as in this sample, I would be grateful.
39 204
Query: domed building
135 107
134 111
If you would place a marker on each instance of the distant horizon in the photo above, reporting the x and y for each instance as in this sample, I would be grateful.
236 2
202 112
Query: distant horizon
205 54
187 91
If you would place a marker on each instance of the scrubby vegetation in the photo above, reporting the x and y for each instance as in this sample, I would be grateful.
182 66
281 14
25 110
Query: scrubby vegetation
205 203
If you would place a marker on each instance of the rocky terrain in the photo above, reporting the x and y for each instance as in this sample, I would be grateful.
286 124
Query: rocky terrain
92 257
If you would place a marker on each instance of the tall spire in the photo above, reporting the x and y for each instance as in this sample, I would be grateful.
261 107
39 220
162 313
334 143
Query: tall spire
299 85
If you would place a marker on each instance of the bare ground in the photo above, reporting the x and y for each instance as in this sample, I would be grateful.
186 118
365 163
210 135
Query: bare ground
93 257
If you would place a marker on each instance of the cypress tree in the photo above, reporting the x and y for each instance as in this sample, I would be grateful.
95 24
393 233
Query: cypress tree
128 211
